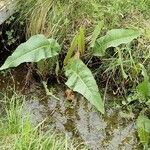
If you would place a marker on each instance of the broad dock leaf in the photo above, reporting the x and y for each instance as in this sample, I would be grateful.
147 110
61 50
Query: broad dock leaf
114 38
38 47
81 80
143 128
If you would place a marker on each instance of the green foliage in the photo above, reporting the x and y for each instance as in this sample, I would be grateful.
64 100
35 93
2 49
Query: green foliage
13 113
77 45
96 33
143 128
38 47
10 37
18 133
81 41
141 94
61 18
71 49
120 62
35 49
144 87
80 79
114 38
46 67
142 91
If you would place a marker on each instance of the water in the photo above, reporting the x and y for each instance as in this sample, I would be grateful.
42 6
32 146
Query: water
76 118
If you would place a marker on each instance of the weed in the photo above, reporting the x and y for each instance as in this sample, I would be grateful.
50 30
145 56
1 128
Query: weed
17 132
60 20
118 69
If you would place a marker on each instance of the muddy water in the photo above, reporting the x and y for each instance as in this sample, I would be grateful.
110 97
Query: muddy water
77 118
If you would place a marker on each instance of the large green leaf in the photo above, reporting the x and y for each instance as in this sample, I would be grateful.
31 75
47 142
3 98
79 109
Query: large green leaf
143 128
81 80
36 48
144 87
114 38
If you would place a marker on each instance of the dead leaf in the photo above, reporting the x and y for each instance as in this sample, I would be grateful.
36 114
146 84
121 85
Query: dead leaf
69 94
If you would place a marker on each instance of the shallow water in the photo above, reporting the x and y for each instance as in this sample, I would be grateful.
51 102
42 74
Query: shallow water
76 118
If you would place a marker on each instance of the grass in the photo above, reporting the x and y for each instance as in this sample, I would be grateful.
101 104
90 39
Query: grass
61 19
17 132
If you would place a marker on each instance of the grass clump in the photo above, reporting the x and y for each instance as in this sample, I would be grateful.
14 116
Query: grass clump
61 19
17 131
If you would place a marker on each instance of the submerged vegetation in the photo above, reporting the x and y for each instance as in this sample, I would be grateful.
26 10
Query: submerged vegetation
17 131
93 47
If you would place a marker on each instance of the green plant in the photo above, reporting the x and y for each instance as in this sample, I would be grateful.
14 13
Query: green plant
143 128
81 80
142 91
60 19
13 109
10 37
114 38
142 94
96 33
77 45
80 77
144 87
36 48
17 131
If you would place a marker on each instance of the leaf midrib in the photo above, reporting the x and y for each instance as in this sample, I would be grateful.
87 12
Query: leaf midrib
123 39
81 80
127 36
28 52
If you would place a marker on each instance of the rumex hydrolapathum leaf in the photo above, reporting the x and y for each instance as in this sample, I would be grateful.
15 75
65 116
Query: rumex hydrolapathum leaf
81 80
38 47
114 38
